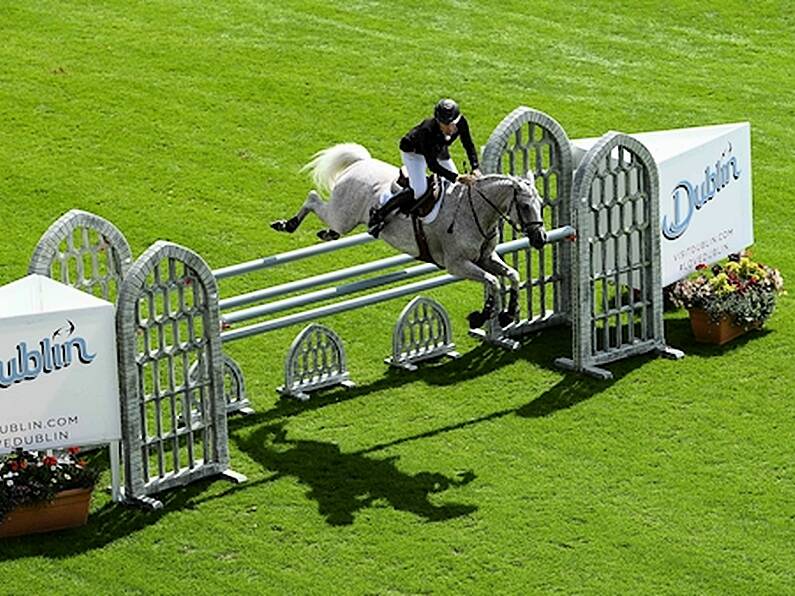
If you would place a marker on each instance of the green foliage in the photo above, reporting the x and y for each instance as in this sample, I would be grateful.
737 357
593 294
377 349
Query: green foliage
497 473
742 290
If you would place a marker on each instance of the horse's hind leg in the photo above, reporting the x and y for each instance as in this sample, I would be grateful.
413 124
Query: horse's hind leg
332 213
469 270
494 264
312 203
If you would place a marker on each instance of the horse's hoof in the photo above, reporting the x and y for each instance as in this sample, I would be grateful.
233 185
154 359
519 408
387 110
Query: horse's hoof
286 225
374 227
476 319
327 235
280 225
505 318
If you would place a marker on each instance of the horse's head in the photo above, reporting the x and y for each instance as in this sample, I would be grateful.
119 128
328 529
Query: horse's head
513 199
527 205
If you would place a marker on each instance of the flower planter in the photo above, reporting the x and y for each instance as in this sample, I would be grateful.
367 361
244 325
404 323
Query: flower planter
708 331
69 509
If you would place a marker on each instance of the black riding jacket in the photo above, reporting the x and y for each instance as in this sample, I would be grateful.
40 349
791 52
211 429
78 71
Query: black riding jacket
428 140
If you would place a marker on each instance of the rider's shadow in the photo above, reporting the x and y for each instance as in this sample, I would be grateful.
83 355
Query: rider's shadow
344 483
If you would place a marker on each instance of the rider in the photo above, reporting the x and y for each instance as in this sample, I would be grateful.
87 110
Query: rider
426 145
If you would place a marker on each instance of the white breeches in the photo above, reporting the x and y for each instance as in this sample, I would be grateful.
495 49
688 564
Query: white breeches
416 166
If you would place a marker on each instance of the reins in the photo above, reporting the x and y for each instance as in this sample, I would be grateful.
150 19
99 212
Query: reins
501 214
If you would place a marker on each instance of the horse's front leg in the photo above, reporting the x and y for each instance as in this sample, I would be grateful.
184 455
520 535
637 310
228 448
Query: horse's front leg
494 264
469 270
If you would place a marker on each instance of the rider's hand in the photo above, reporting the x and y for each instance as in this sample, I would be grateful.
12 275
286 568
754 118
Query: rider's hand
467 179
477 173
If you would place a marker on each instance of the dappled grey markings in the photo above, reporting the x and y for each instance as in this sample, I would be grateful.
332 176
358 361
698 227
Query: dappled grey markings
529 140
84 251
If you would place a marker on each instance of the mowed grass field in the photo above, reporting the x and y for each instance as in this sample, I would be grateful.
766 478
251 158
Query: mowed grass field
497 473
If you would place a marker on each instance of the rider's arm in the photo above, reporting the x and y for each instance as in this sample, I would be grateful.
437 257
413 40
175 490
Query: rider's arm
466 141
437 168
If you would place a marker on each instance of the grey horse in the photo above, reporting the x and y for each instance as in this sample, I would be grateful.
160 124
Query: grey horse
462 238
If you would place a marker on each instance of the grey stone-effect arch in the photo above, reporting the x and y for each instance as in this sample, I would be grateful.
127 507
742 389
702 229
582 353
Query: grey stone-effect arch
234 386
528 139
617 294
316 360
167 318
423 331
70 240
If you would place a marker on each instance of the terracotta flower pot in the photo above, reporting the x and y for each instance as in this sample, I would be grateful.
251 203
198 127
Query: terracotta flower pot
69 509
708 331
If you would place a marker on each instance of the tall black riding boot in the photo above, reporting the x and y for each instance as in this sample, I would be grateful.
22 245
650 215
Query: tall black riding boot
378 214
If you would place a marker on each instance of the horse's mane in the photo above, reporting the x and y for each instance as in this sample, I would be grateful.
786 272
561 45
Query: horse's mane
506 179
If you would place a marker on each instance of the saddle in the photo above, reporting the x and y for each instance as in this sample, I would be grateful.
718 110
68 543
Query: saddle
425 204
422 207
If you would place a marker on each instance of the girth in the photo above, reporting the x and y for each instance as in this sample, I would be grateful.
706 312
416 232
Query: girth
421 208
422 240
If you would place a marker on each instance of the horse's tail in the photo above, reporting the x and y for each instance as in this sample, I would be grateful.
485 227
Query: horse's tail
328 164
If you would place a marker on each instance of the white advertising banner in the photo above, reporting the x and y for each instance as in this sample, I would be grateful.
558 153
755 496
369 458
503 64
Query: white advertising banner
706 210
58 380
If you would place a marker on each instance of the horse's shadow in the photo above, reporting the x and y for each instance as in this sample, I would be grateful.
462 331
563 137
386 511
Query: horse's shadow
344 483
539 348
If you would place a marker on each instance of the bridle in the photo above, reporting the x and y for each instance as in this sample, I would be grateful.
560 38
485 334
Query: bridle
503 215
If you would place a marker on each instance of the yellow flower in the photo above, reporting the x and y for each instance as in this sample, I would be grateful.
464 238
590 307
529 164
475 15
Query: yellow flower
721 285
732 267
748 268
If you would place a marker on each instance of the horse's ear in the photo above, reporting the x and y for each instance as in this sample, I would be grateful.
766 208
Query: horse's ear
530 176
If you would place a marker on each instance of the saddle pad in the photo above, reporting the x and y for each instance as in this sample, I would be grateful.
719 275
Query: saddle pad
431 217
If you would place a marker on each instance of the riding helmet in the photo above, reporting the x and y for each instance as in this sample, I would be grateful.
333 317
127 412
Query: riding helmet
446 111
